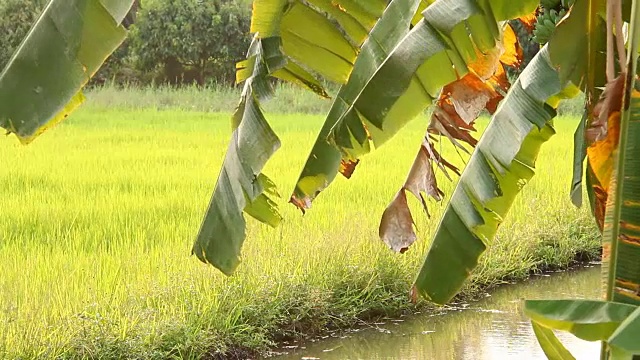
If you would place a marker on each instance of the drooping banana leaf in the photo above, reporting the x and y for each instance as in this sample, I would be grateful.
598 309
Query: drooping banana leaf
306 46
589 320
613 175
241 185
453 117
501 165
291 37
577 31
621 246
40 85
324 162
550 344
579 154
379 100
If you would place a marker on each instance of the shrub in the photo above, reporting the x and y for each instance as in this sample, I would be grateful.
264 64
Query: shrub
190 40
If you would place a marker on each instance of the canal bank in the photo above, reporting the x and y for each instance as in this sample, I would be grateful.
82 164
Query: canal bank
491 328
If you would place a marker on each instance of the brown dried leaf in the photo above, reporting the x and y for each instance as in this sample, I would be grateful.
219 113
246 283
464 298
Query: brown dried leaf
445 123
602 136
396 225
422 178
469 96
513 53
347 167
529 21
609 103
600 199
459 105
440 161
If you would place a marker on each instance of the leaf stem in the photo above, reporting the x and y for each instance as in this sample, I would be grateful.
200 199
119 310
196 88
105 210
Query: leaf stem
622 145
618 177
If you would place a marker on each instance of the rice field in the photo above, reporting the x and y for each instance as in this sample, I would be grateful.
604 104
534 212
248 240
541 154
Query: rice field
98 216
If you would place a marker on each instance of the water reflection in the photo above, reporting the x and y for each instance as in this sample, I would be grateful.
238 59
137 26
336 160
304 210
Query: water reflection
493 328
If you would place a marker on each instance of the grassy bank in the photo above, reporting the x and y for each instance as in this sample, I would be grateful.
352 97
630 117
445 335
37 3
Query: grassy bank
98 216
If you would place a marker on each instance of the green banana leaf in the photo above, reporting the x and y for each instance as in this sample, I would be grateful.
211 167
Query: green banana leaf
579 154
40 85
621 235
290 39
625 224
324 161
241 186
382 97
624 341
590 320
393 68
501 165
550 344
584 32
584 23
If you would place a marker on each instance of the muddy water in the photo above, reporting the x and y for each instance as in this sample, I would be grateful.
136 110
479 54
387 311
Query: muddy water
493 328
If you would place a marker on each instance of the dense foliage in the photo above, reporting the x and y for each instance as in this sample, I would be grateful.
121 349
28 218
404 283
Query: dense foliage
191 41
16 17
174 41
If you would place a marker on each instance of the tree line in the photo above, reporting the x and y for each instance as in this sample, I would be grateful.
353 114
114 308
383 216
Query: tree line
170 42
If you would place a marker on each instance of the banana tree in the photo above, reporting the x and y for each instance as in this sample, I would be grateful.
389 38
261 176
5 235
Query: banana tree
392 60
608 135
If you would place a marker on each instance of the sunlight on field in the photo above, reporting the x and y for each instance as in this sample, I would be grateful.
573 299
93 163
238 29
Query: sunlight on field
99 214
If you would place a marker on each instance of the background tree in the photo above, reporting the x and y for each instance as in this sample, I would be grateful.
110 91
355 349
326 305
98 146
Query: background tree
16 18
183 40
190 40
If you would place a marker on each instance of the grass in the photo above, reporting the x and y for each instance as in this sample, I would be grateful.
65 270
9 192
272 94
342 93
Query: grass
291 99
98 216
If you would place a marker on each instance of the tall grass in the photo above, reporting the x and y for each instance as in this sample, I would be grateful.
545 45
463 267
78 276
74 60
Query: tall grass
290 99
98 216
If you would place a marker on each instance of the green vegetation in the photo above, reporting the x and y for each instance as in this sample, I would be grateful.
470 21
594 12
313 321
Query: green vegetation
176 41
210 99
16 18
190 41
290 100
392 60
100 212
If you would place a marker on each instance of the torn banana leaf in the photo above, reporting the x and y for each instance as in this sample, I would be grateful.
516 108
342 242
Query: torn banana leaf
502 163
241 187
385 92
324 162
459 105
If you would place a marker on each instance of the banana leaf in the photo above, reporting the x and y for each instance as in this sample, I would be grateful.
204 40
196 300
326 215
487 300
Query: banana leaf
40 85
501 165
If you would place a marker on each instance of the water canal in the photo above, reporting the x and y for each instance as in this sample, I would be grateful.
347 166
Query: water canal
492 328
